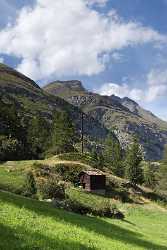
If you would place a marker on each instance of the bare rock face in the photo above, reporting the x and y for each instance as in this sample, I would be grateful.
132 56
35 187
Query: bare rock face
123 115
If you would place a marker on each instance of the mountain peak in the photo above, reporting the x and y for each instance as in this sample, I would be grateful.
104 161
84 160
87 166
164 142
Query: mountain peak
130 104
73 84
65 88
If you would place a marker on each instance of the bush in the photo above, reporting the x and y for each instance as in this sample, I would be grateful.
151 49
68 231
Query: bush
49 188
69 172
30 188
8 148
107 209
118 190
87 203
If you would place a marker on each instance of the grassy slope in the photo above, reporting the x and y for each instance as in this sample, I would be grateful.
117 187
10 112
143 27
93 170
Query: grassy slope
30 224
12 173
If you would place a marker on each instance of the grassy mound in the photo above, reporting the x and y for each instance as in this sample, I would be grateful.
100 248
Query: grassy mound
29 224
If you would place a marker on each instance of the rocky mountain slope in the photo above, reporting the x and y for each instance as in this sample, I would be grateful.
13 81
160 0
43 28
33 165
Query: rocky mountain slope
122 115
30 99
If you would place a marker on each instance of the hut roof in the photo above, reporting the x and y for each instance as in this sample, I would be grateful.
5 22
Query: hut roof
93 172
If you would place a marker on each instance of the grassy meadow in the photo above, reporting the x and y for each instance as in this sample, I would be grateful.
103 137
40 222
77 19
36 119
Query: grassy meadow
30 224
34 225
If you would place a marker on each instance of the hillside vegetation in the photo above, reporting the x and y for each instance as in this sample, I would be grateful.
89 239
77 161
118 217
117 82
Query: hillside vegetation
24 105
33 224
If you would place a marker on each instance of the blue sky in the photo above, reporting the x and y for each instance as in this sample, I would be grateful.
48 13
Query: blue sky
114 47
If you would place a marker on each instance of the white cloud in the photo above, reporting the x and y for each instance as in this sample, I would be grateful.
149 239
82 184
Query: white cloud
100 3
121 91
114 89
157 77
157 84
64 37
117 56
155 88
155 92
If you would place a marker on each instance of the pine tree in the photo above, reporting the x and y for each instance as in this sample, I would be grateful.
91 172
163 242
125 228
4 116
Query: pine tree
30 184
133 168
162 174
37 136
150 174
94 154
98 158
63 134
101 161
113 155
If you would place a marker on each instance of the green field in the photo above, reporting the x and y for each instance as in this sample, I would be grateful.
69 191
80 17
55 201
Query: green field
30 224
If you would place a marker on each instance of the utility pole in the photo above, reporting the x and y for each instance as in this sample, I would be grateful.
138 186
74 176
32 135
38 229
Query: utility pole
82 133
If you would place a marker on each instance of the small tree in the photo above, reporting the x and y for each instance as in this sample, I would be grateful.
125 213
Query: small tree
133 168
98 158
113 155
150 174
30 186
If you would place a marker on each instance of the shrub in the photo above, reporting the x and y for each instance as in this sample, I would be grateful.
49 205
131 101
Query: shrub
48 182
51 187
8 148
30 188
106 209
118 190
69 172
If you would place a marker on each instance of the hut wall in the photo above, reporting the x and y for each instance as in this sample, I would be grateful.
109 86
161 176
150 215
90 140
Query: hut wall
98 182
87 181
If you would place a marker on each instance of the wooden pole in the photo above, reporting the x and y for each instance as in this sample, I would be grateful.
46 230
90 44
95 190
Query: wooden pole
82 133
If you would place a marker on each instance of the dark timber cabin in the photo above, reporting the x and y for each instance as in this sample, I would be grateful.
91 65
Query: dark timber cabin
93 181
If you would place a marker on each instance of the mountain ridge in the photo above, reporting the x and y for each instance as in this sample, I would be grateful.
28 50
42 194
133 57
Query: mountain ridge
26 95
122 115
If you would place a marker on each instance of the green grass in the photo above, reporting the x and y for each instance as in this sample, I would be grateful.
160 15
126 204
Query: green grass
91 200
12 181
29 224
12 173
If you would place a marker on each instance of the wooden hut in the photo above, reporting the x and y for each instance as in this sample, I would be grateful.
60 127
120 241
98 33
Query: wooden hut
93 181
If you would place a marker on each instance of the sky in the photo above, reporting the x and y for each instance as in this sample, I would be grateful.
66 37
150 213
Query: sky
113 46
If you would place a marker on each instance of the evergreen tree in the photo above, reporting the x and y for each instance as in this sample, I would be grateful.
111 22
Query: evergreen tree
63 134
12 133
98 158
133 167
94 154
162 174
113 155
101 161
150 174
38 132
8 148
